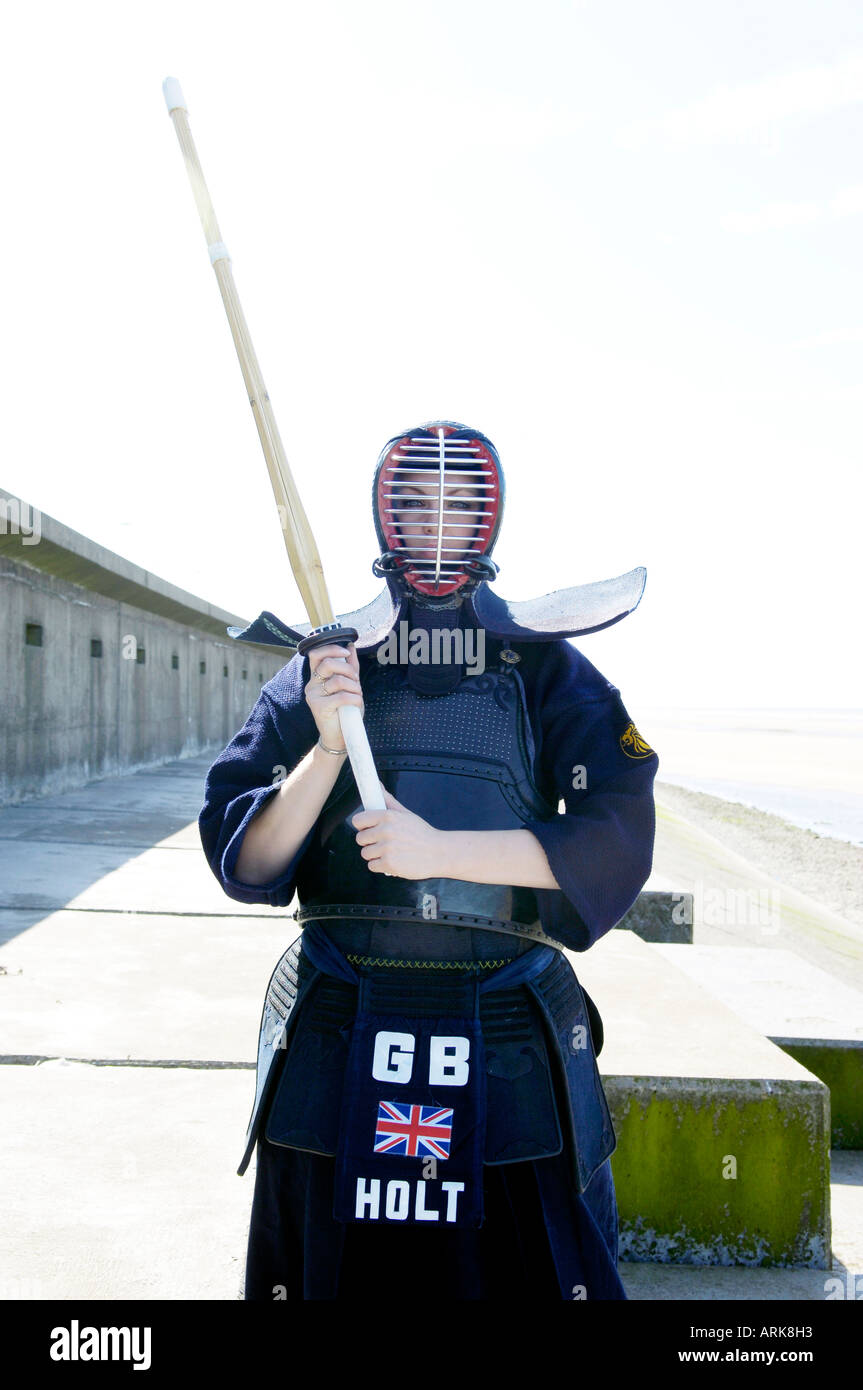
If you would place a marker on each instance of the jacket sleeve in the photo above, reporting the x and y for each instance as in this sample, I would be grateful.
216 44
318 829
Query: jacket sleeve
590 756
276 736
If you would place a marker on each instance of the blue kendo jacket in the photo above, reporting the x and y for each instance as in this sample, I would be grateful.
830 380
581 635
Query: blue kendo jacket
589 758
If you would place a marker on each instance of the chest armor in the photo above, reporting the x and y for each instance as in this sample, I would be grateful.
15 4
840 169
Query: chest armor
461 761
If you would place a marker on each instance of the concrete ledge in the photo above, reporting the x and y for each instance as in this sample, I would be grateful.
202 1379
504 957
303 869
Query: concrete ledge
809 1014
722 1173
839 1064
723 1139
660 916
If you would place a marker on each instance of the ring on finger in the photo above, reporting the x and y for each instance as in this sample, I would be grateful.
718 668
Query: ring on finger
324 686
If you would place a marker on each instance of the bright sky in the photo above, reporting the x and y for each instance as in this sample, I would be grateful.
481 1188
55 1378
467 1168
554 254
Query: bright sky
622 239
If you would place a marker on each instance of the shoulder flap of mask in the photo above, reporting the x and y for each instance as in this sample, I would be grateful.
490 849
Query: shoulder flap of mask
373 623
563 613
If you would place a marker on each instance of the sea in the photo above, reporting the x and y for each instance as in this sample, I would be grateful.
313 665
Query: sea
805 765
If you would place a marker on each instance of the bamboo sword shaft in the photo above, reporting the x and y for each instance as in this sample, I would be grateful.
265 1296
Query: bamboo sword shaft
299 540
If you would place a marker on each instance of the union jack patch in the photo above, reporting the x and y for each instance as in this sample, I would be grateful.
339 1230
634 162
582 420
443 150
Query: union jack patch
413 1131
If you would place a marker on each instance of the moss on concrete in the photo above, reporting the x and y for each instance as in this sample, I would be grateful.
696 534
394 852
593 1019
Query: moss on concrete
840 1066
722 1172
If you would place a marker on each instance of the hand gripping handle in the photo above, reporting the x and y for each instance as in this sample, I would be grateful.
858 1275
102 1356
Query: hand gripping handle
351 722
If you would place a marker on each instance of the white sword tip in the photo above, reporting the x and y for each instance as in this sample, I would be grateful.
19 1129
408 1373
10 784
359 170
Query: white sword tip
173 95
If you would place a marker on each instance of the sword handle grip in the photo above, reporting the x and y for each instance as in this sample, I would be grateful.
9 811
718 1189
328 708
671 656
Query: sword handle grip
362 762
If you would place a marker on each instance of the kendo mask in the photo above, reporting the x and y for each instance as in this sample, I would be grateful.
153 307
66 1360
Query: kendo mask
438 500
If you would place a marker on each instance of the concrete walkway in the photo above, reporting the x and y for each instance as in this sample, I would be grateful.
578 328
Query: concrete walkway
131 990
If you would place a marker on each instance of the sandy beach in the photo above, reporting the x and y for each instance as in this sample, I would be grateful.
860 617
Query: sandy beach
760 817
803 766
757 880
826 869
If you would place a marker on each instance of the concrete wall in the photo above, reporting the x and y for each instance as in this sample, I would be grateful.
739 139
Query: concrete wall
67 714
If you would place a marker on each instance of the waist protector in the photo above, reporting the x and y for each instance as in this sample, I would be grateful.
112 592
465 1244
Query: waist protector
540 1032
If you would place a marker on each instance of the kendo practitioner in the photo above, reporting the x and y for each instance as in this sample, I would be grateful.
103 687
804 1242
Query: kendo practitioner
429 1118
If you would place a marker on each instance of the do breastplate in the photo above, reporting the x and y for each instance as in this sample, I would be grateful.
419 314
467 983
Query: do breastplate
462 761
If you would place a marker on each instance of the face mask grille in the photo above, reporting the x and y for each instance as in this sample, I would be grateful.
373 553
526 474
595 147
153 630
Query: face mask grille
438 503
